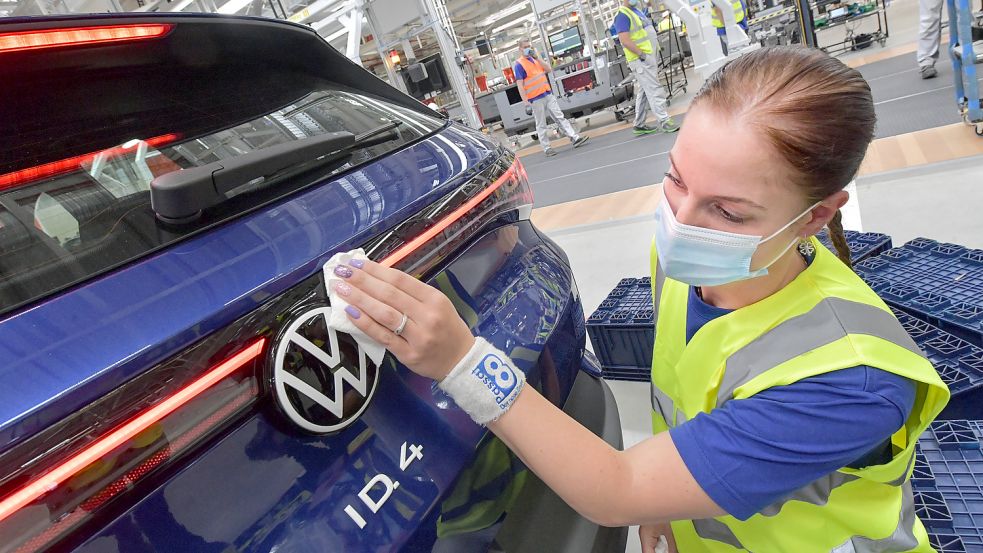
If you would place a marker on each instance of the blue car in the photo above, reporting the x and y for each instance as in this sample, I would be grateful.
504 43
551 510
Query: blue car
170 189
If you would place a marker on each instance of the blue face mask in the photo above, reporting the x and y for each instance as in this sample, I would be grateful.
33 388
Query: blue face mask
633 3
705 257
529 51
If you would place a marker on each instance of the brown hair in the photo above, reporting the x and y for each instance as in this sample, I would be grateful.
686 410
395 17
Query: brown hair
817 113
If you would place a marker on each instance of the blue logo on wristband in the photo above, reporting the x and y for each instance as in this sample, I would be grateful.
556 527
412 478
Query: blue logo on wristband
497 375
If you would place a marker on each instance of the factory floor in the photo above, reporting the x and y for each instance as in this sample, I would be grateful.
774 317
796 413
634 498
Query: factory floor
921 177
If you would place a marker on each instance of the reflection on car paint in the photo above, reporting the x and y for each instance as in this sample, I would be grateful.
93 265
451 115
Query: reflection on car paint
333 470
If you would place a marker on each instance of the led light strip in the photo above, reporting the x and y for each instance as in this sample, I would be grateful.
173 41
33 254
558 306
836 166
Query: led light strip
53 38
411 246
52 479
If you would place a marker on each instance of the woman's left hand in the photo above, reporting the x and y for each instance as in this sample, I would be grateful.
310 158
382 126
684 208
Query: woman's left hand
435 337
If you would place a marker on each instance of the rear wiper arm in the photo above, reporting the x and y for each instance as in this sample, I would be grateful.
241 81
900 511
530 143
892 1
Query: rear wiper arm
181 197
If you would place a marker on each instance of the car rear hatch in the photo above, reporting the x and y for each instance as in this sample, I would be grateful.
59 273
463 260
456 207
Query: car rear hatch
128 338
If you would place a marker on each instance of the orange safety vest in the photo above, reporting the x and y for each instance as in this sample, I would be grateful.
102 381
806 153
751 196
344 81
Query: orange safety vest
537 80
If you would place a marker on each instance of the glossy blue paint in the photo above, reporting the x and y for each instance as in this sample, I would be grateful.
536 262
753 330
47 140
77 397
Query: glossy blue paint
264 487
74 347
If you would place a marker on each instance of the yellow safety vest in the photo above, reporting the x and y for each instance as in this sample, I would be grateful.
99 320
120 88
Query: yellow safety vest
637 33
825 320
718 18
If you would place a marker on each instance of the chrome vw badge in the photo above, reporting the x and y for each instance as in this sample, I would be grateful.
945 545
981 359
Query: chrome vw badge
322 380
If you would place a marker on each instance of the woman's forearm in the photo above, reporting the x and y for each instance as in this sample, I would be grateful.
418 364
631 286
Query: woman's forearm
646 484
579 466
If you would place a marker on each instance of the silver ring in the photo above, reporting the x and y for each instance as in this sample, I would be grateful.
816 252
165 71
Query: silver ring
402 325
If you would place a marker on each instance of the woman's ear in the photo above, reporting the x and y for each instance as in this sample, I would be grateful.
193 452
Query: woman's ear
824 211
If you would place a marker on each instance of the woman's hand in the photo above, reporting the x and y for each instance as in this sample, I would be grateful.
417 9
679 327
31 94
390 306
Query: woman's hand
435 338
649 536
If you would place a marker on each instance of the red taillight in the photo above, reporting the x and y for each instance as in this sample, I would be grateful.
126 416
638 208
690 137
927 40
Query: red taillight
67 493
55 38
508 191
448 219
62 166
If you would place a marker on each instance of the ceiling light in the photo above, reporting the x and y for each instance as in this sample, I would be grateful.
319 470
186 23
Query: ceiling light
513 9
510 24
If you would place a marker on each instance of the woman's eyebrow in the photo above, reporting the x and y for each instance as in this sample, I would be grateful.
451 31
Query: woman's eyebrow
732 199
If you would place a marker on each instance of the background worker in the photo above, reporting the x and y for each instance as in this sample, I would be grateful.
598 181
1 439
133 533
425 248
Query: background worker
929 36
740 15
787 400
635 32
532 74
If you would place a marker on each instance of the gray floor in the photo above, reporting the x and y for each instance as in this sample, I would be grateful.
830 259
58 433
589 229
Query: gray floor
608 163
942 201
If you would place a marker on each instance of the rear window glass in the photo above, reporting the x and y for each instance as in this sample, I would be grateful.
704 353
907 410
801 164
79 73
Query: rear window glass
66 220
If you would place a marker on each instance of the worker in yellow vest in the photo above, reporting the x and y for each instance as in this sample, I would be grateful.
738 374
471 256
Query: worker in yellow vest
532 76
637 37
787 400
740 15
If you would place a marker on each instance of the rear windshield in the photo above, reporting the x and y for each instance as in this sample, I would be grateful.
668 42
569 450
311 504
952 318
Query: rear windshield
66 220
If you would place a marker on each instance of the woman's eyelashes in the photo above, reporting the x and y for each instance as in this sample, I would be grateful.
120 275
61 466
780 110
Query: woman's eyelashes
675 181
731 217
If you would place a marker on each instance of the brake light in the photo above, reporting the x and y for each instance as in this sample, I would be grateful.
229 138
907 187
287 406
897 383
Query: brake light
83 36
68 165
420 242
49 505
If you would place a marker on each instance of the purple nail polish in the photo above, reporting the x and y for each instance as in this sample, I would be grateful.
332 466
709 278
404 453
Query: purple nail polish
343 271
357 263
353 311
343 288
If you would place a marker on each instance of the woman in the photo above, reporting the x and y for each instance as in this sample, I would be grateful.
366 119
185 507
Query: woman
787 399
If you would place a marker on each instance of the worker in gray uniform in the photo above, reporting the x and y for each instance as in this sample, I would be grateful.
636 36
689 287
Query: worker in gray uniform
635 32
929 36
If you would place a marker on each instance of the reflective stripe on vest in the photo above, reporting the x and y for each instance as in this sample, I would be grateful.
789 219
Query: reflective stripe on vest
830 320
537 80
903 538
718 19
827 319
713 529
637 33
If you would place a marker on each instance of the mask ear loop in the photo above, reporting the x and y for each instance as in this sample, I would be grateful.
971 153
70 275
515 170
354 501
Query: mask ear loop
787 248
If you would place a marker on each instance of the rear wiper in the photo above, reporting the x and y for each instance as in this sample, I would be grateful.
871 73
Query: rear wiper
181 197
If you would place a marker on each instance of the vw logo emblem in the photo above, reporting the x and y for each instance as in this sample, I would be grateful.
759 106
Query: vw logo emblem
322 380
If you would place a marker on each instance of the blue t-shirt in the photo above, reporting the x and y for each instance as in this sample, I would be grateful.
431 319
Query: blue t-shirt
520 73
622 24
755 451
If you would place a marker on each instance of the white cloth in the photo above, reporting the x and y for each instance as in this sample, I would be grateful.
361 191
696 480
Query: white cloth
485 383
929 31
548 104
662 546
648 90
339 321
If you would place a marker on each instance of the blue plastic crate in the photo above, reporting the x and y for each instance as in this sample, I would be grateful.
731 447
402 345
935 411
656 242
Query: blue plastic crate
947 279
959 364
634 375
862 244
947 543
951 505
622 330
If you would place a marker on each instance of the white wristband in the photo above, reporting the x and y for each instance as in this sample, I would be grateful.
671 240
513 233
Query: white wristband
485 383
